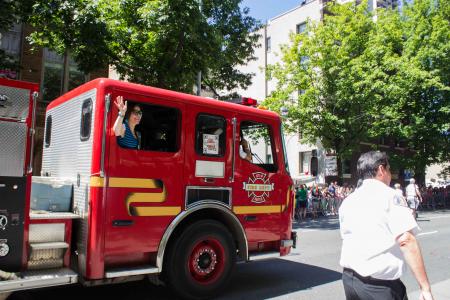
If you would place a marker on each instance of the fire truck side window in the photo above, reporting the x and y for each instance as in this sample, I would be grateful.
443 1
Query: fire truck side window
48 131
159 127
86 119
210 135
259 137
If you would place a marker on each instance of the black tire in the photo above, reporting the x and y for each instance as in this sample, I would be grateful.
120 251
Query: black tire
200 263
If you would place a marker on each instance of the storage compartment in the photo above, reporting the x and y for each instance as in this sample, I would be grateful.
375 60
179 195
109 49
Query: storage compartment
51 194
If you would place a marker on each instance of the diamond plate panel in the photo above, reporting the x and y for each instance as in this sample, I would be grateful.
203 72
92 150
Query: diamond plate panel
45 264
47 254
12 149
46 233
14 102
69 157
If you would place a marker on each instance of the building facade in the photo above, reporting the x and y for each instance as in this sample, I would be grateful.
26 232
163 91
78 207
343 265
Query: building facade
54 73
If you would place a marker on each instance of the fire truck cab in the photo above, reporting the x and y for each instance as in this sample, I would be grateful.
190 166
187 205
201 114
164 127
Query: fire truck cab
185 205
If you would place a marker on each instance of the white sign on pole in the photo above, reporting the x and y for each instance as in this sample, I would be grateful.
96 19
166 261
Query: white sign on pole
331 166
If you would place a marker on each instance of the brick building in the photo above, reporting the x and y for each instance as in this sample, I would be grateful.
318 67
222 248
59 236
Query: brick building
55 75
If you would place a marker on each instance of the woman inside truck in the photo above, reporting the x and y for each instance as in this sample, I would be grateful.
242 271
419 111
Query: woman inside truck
125 124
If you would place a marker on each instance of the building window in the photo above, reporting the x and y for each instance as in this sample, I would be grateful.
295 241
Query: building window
301 28
304 162
53 75
210 135
268 44
56 67
10 48
301 92
86 120
300 134
304 62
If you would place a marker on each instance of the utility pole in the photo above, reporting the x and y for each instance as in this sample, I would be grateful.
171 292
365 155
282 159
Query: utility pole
199 74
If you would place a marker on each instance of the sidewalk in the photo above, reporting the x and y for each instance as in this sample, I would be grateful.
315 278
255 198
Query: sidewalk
440 290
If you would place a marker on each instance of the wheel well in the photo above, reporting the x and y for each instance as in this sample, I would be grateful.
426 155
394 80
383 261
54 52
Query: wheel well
217 215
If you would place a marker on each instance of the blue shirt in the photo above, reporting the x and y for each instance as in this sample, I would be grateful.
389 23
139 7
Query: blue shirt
128 140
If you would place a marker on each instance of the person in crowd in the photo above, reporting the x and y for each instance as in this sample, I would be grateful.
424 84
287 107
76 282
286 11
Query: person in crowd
332 198
378 237
302 201
398 189
297 204
413 196
315 201
125 124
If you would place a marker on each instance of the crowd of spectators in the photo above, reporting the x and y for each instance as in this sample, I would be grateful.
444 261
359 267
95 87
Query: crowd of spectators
324 200
435 197
321 200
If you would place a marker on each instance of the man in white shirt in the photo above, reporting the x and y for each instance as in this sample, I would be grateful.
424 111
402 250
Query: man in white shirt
377 231
244 150
413 195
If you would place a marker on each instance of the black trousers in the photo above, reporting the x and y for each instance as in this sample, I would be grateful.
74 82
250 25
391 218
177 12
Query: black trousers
358 287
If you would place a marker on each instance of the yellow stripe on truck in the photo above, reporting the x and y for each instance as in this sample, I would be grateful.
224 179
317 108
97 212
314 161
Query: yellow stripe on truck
260 209
152 211
96 181
142 183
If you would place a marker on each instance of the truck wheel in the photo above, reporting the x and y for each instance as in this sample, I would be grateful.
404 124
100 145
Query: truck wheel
200 263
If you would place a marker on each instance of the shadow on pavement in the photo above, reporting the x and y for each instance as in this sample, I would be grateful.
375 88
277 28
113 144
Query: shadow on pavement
138 290
277 277
257 280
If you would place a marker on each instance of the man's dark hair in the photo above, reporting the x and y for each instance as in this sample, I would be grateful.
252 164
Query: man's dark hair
369 162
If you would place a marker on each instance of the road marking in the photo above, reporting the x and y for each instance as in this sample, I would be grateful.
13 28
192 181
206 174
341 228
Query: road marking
308 230
426 233
436 217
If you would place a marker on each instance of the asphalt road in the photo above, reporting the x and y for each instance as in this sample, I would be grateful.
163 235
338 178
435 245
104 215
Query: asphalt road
311 271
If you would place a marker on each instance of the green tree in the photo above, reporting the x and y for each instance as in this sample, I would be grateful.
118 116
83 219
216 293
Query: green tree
322 69
408 65
164 43
367 79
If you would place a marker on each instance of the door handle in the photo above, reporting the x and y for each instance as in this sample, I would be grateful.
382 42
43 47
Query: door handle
122 223
251 218
208 180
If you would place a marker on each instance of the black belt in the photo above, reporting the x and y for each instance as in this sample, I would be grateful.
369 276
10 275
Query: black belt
366 278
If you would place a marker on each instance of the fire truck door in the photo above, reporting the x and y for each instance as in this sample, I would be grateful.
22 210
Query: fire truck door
257 199
208 156
144 185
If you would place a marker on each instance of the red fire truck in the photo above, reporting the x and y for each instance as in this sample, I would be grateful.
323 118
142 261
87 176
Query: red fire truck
183 206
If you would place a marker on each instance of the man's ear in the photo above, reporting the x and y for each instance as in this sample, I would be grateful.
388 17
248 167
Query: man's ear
380 171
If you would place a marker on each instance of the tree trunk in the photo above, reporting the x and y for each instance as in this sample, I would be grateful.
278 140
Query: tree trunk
339 168
419 175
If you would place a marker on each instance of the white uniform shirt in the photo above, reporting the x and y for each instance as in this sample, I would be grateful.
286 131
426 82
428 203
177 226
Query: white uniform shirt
411 191
371 218
242 153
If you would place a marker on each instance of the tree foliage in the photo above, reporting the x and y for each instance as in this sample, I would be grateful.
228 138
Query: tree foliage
320 81
164 43
364 78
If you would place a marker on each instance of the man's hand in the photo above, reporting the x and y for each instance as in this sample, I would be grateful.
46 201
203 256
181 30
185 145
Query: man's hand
426 295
